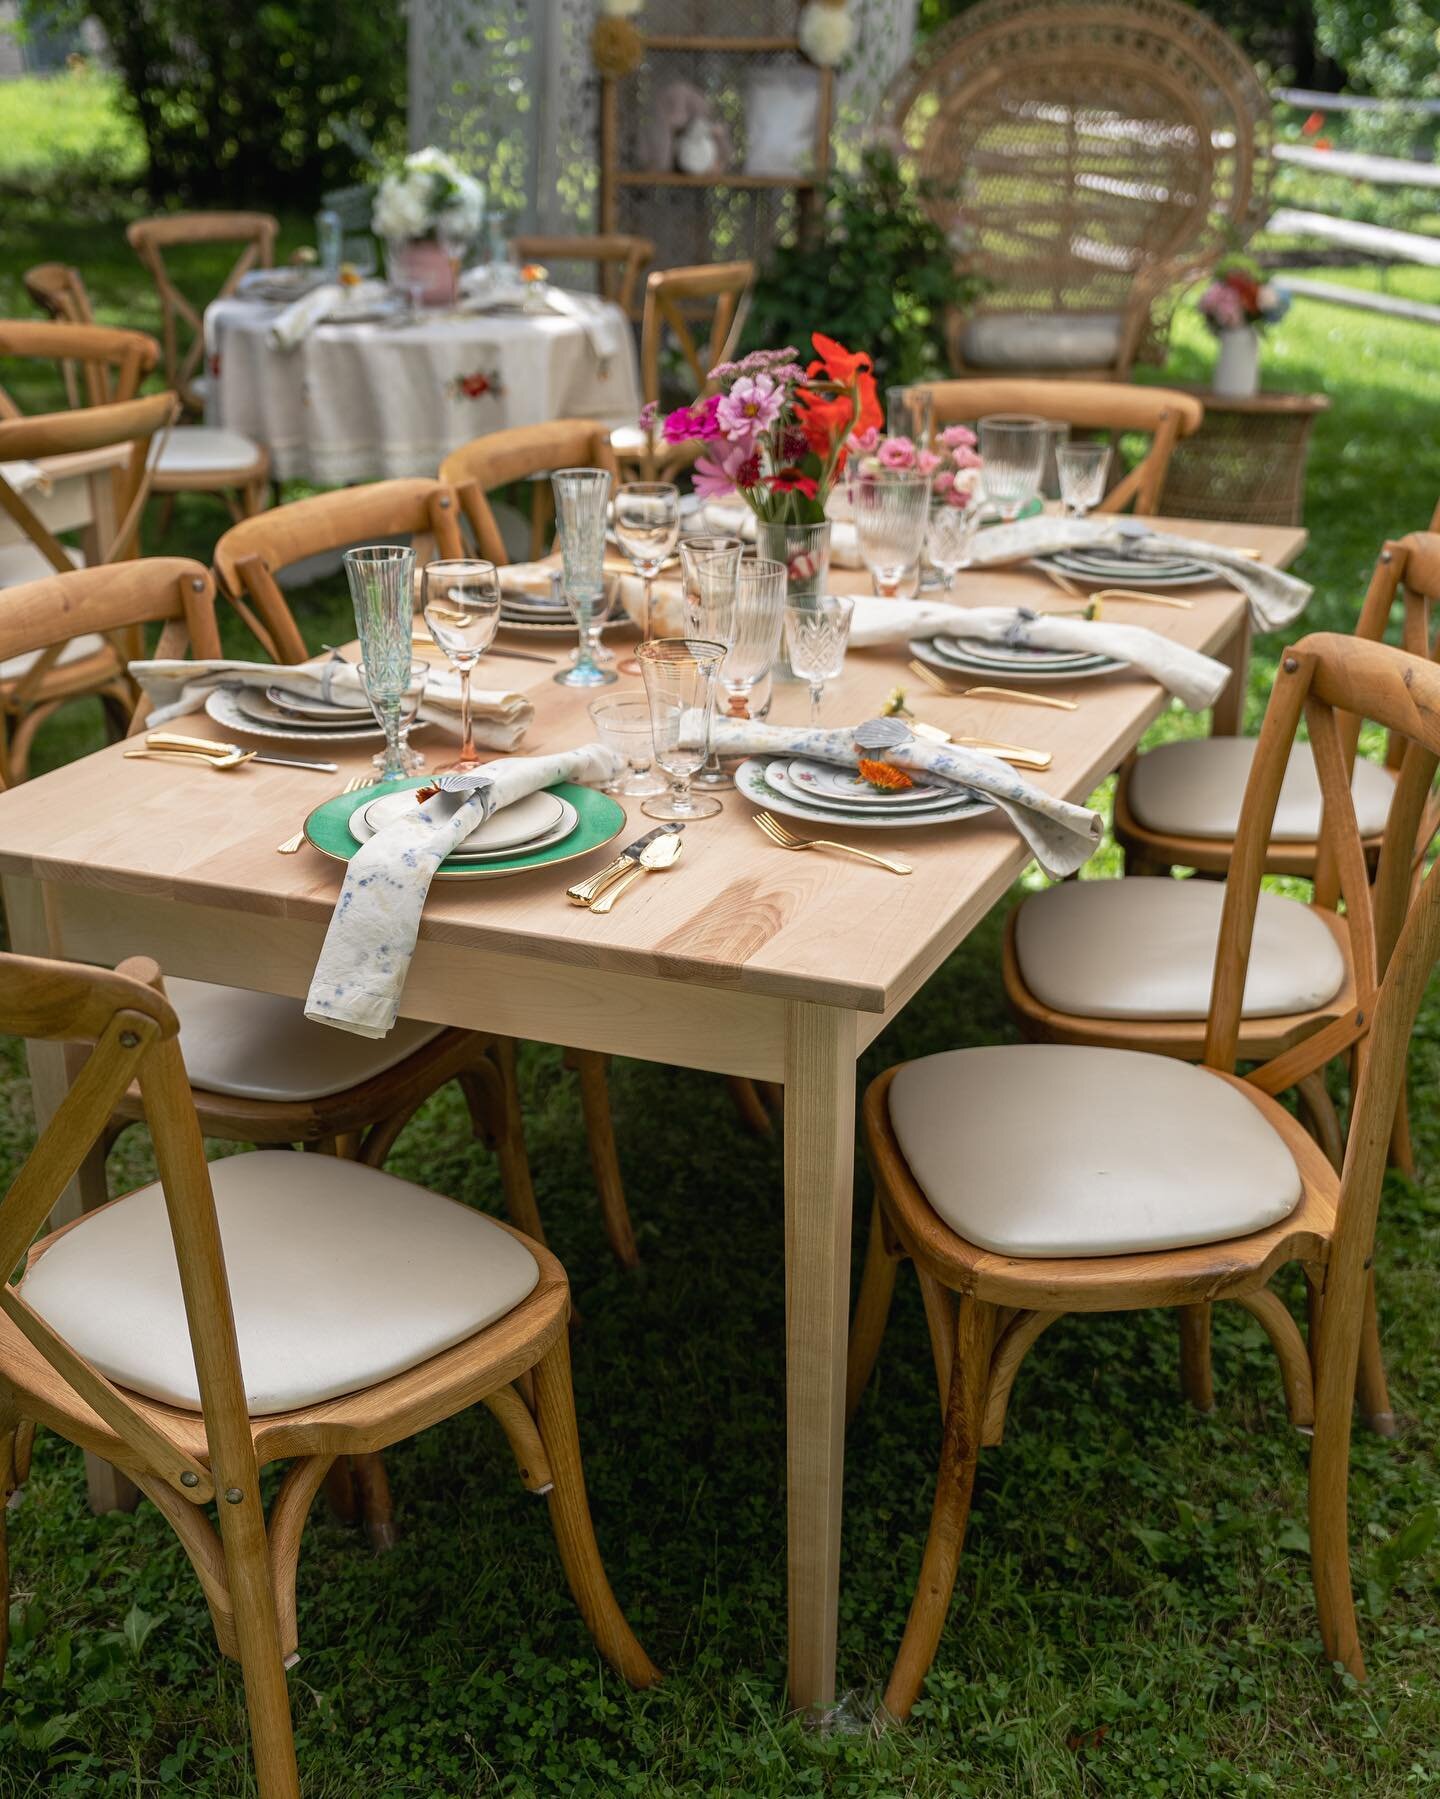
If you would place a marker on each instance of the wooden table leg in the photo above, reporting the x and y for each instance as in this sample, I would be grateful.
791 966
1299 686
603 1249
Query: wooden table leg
52 1068
820 1053
1227 718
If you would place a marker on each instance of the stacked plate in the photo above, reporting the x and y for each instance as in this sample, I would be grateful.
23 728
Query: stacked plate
822 793
1106 564
533 823
983 660
534 609
276 712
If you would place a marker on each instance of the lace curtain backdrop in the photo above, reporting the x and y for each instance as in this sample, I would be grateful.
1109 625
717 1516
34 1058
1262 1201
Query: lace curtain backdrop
509 88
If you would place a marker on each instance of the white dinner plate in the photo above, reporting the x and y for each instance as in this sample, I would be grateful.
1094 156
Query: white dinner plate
222 707
751 783
323 712
531 823
1133 572
1010 655
777 773
972 655
826 784
925 652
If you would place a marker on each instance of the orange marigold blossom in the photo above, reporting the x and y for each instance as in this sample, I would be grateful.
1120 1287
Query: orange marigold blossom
883 776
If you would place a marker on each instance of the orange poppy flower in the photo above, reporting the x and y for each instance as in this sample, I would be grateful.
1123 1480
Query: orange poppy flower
825 417
883 776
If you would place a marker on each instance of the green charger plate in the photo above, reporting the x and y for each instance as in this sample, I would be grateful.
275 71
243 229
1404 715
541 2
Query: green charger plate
601 820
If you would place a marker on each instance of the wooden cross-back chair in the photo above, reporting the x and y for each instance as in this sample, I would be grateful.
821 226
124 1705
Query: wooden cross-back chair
619 260
1090 406
524 453
1178 805
253 232
98 363
1087 161
1034 1181
251 555
417 1309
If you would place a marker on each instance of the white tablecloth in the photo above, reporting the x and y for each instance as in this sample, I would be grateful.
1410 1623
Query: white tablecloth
368 402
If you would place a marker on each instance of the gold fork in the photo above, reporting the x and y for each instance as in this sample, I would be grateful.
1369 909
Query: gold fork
931 679
353 785
778 835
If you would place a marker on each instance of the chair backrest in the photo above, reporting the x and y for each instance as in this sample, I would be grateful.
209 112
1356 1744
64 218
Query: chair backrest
1165 413
254 232
1394 930
112 602
59 291
134 1035
679 299
620 259
482 465
122 423
251 555
1083 154
99 363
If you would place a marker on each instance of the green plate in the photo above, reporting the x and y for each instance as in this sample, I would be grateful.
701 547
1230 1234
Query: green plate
601 820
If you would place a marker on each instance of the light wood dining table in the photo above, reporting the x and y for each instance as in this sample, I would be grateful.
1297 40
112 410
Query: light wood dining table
744 960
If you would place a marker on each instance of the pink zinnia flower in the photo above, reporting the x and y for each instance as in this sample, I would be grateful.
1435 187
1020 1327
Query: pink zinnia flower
752 405
958 437
897 453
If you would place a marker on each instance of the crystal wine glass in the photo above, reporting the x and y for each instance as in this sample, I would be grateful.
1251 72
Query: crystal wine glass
410 702
461 601
680 675
952 532
382 589
891 513
1013 447
696 550
1082 468
647 528
817 635
581 498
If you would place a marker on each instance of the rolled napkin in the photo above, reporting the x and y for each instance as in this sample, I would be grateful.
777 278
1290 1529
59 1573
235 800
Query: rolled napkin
1276 599
23 477
1062 837
737 520
175 688
300 317
1195 679
366 954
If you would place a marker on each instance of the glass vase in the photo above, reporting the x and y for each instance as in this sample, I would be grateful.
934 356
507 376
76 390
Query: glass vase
805 551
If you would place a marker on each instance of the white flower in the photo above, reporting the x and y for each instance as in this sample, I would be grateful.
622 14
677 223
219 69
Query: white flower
429 190
826 33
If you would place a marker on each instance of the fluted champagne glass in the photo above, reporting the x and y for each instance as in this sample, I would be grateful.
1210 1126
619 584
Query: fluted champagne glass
461 601
715 621
647 528
582 496
382 589
892 510
680 679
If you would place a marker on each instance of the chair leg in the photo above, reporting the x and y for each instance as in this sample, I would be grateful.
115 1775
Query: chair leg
1196 1379
1329 1500
1371 1387
267 1696
872 1312
954 1487
570 1519
509 1141
750 1106
593 1070
24 1449
7 1487
1317 1110
1402 1150
340 1494
372 1483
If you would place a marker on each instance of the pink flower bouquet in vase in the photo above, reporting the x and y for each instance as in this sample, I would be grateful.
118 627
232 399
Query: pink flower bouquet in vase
945 517
1237 306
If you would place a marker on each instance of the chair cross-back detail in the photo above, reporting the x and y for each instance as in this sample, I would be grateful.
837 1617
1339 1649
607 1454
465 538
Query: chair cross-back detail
226 1378
523 453
1207 1186
254 232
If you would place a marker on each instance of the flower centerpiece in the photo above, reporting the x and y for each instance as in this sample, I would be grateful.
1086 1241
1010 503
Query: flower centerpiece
953 466
1236 306
426 210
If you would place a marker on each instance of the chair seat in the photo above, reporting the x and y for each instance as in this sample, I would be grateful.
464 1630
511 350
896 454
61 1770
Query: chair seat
341 1276
262 1046
79 649
1042 1149
21 562
204 450
629 440
1145 948
1195 789
1025 341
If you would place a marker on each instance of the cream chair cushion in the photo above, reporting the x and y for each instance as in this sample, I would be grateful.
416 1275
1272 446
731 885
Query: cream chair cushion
1145 948
1195 789
262 1046
1041 1149
203 450
77 650
26 562
340 1276
1024 341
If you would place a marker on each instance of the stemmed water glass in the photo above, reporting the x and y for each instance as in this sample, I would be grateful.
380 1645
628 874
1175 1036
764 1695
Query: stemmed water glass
647 528
1013 448
410 703
891 513
746 613
952 532
581 498
1082 468
461 602
680 675
816 636
699 549
382 589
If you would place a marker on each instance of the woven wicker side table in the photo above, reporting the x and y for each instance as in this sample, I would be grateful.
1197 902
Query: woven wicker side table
1246 462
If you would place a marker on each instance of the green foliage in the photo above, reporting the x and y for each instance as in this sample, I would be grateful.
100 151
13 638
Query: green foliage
877 275
1390 48
67 137
238 102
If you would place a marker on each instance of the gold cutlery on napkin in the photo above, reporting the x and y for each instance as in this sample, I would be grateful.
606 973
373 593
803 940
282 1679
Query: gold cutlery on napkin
940 685
782 838
661 853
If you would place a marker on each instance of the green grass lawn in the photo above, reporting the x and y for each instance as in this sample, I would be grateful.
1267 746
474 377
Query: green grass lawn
1133 1615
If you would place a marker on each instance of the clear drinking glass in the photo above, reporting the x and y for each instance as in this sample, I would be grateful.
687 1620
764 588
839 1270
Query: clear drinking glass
647 528
695 550
581 498
745 613
1083 468
680 675
910 412
951 534
1013 448
623 725
461 601
891 515
410 703
817 634
455 244
382 589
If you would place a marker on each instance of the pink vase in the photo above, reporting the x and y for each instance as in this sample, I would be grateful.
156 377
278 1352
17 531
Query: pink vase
422 268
